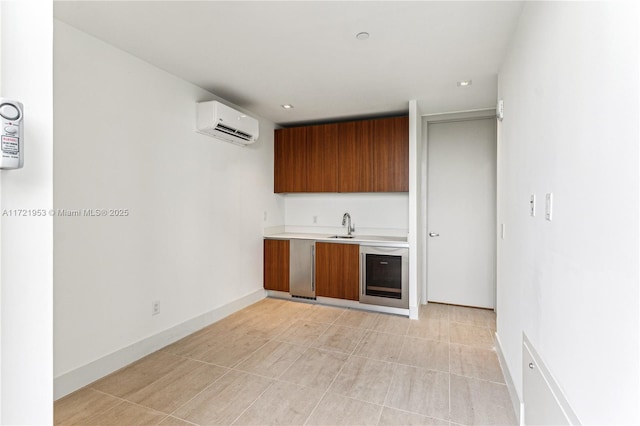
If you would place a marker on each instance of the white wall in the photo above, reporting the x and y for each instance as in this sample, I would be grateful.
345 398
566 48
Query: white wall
374 214
26 277
417 213
570 90
125 139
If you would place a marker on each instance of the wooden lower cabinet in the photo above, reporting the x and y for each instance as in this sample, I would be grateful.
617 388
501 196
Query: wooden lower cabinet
337 270
276 265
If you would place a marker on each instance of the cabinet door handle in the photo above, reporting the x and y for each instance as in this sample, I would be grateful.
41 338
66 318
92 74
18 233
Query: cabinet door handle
434 234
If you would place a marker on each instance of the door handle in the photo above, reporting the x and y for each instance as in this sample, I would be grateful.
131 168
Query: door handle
434 234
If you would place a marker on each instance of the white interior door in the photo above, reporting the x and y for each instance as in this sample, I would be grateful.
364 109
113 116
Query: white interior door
461 218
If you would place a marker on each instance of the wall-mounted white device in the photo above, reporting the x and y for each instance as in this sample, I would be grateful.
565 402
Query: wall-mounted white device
11 134
548 207
532 205
223 122
500 110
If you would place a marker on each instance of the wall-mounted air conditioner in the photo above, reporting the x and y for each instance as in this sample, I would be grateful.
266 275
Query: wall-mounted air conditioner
223 122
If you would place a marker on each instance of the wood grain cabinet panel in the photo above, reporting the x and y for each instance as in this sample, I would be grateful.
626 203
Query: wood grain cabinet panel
322 158
337 270
276 265
355 157
391 154
290 157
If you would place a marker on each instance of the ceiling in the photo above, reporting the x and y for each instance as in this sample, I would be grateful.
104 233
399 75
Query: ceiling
261 55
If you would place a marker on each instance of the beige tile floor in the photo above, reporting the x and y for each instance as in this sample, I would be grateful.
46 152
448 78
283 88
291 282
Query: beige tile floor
287 362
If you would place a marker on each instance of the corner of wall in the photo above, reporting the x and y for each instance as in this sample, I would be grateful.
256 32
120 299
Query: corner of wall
416 243
518 405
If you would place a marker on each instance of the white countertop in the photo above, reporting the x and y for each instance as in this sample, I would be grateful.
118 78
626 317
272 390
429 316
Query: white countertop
369 240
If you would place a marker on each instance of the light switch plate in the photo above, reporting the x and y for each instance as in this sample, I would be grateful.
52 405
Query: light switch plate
532 205
549 207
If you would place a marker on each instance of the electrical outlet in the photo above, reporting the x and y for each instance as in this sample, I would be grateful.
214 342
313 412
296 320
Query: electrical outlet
264 218
315 219
155 308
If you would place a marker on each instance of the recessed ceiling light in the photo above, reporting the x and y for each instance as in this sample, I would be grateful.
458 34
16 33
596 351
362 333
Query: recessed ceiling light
287 106
362 36
464 83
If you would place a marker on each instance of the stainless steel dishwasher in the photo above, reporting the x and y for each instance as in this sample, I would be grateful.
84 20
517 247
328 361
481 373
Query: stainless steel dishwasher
302 271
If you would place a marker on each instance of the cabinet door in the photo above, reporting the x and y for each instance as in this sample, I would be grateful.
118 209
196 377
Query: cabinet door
391 154
355 157
290 160
276 265
322 158
337 270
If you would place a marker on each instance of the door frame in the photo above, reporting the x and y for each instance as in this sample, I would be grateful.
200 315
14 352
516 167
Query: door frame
447 117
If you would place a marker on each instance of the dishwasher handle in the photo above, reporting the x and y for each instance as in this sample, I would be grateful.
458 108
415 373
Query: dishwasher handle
313 267
362 269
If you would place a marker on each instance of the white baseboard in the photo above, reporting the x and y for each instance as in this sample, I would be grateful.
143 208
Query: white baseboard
82 376
545 401
343 303
518 406
414 312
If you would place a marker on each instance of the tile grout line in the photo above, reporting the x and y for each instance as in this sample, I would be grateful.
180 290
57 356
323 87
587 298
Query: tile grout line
334 379
231 368
386 396
253 402
291 364
182 420
173 413
129 365
415 413
274 379
101 413
297 316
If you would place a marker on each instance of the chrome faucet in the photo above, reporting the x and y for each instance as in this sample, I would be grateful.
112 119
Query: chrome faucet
347 217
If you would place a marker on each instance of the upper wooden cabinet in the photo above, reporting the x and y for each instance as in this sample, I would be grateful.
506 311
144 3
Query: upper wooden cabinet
290 159
322 158
391 154
356 156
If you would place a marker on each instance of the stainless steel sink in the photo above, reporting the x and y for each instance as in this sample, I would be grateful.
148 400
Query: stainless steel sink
381 238
369 238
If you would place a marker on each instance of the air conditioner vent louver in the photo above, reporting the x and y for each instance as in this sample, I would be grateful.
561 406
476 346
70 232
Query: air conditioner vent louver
225 123
233 132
